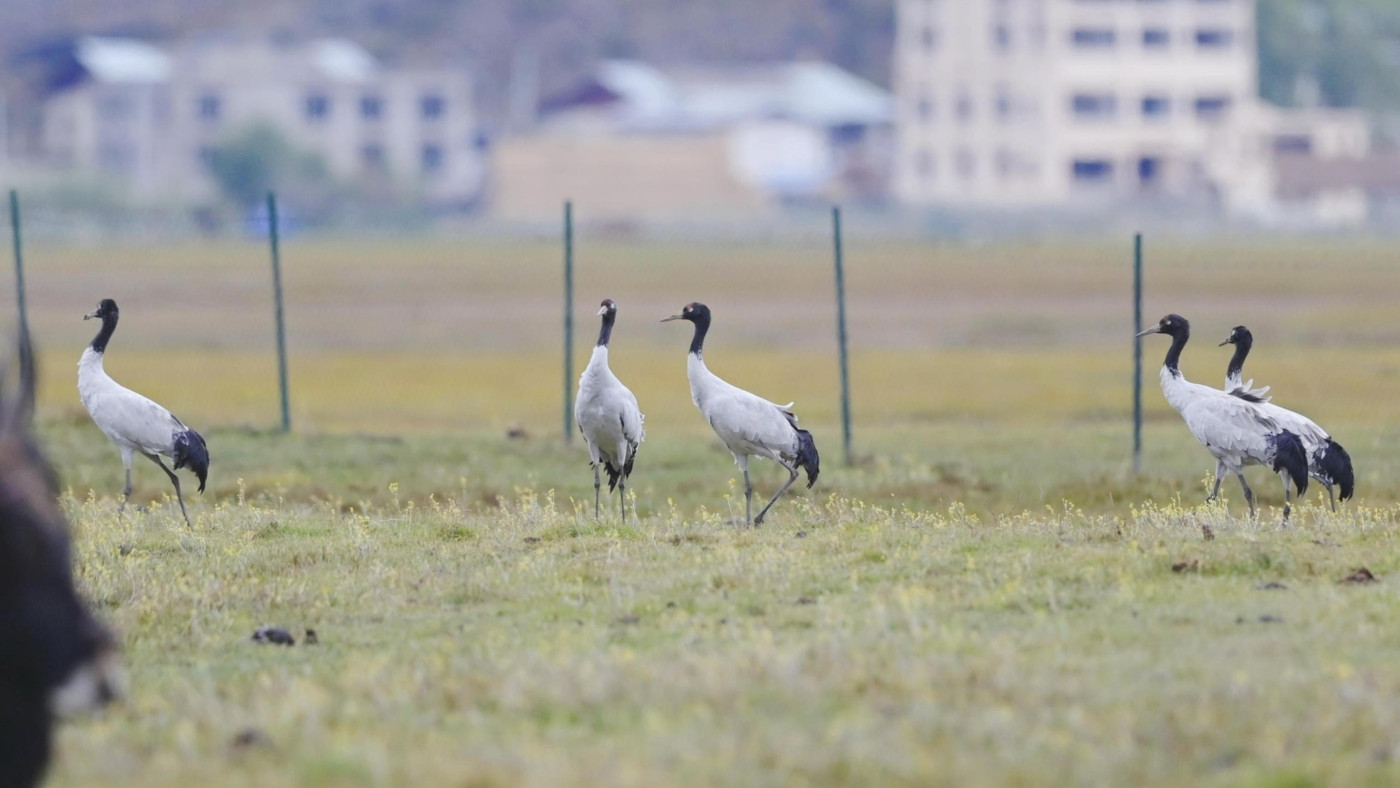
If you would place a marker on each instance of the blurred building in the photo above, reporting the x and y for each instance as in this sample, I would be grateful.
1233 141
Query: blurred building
1009 104
636 142
151 117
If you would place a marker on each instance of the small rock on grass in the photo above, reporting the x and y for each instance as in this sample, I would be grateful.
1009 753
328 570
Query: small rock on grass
275 636
1181 567
1362 575
248 738
1272 586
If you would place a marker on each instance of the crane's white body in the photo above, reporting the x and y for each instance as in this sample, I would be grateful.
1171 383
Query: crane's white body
607 414
133 422
747 424
1235 431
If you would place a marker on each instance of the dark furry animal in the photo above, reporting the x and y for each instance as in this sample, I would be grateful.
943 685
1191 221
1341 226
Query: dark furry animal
55 657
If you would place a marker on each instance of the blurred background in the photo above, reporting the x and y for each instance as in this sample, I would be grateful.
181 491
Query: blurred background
972 117
993 159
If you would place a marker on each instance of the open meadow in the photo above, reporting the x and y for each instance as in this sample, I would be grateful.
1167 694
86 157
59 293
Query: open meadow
988 595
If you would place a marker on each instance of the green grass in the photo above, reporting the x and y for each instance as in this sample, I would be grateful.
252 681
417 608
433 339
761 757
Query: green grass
986 597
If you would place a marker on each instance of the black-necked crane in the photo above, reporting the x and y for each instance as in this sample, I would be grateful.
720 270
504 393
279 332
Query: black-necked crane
1234 371
134 423
748 425
1328 462
608 416
1232 427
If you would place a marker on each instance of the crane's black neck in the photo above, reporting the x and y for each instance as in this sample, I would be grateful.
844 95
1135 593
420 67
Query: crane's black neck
702 327
1179 340
109 325
1242 346
605 333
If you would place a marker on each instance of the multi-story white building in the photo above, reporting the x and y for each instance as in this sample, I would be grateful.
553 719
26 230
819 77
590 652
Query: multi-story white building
151 117
1025 103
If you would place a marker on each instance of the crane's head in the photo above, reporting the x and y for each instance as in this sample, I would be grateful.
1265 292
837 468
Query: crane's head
608 308
695 312
1172 325
104 308
1239 335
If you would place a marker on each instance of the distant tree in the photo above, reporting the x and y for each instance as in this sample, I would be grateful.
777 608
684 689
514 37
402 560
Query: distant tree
1340 53
258 159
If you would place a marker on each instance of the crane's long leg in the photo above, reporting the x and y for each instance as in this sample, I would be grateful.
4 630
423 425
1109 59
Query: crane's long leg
1248 493
126 491
1330 495
593 460
742 460
1219 477
175 480
622 496
597 493
779 493
1287 494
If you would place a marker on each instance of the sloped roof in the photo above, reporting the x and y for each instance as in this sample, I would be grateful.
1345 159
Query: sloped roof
122 60
651 97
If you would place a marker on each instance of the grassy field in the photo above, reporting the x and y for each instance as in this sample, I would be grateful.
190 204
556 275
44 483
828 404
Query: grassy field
989 595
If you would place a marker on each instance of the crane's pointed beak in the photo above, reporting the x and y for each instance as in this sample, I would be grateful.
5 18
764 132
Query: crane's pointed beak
1226 342
1152 330
673 317
602 312
90 315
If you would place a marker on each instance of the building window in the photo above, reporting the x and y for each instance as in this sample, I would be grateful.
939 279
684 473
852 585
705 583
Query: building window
1293 143
371 107
1149 170
924 109
1156 38
431 159
432 106
928 38
209 107
1094 38
317 107
372 157
1214 38
965 108
1212 107
1001 37
1092 170
1156 107
1094 106
1003 105
205 156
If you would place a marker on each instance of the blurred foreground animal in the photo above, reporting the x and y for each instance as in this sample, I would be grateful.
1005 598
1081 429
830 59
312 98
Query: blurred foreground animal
1232 427
749 425
1328 462
136 424
55 658
608 416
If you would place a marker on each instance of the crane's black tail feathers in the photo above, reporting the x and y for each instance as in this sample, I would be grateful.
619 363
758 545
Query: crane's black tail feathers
190 452
1334 464
614 474
807 457
1290 456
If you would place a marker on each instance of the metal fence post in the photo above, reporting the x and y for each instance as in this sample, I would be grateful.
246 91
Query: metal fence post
568 321
841 333
1137 353
272 234
19 265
